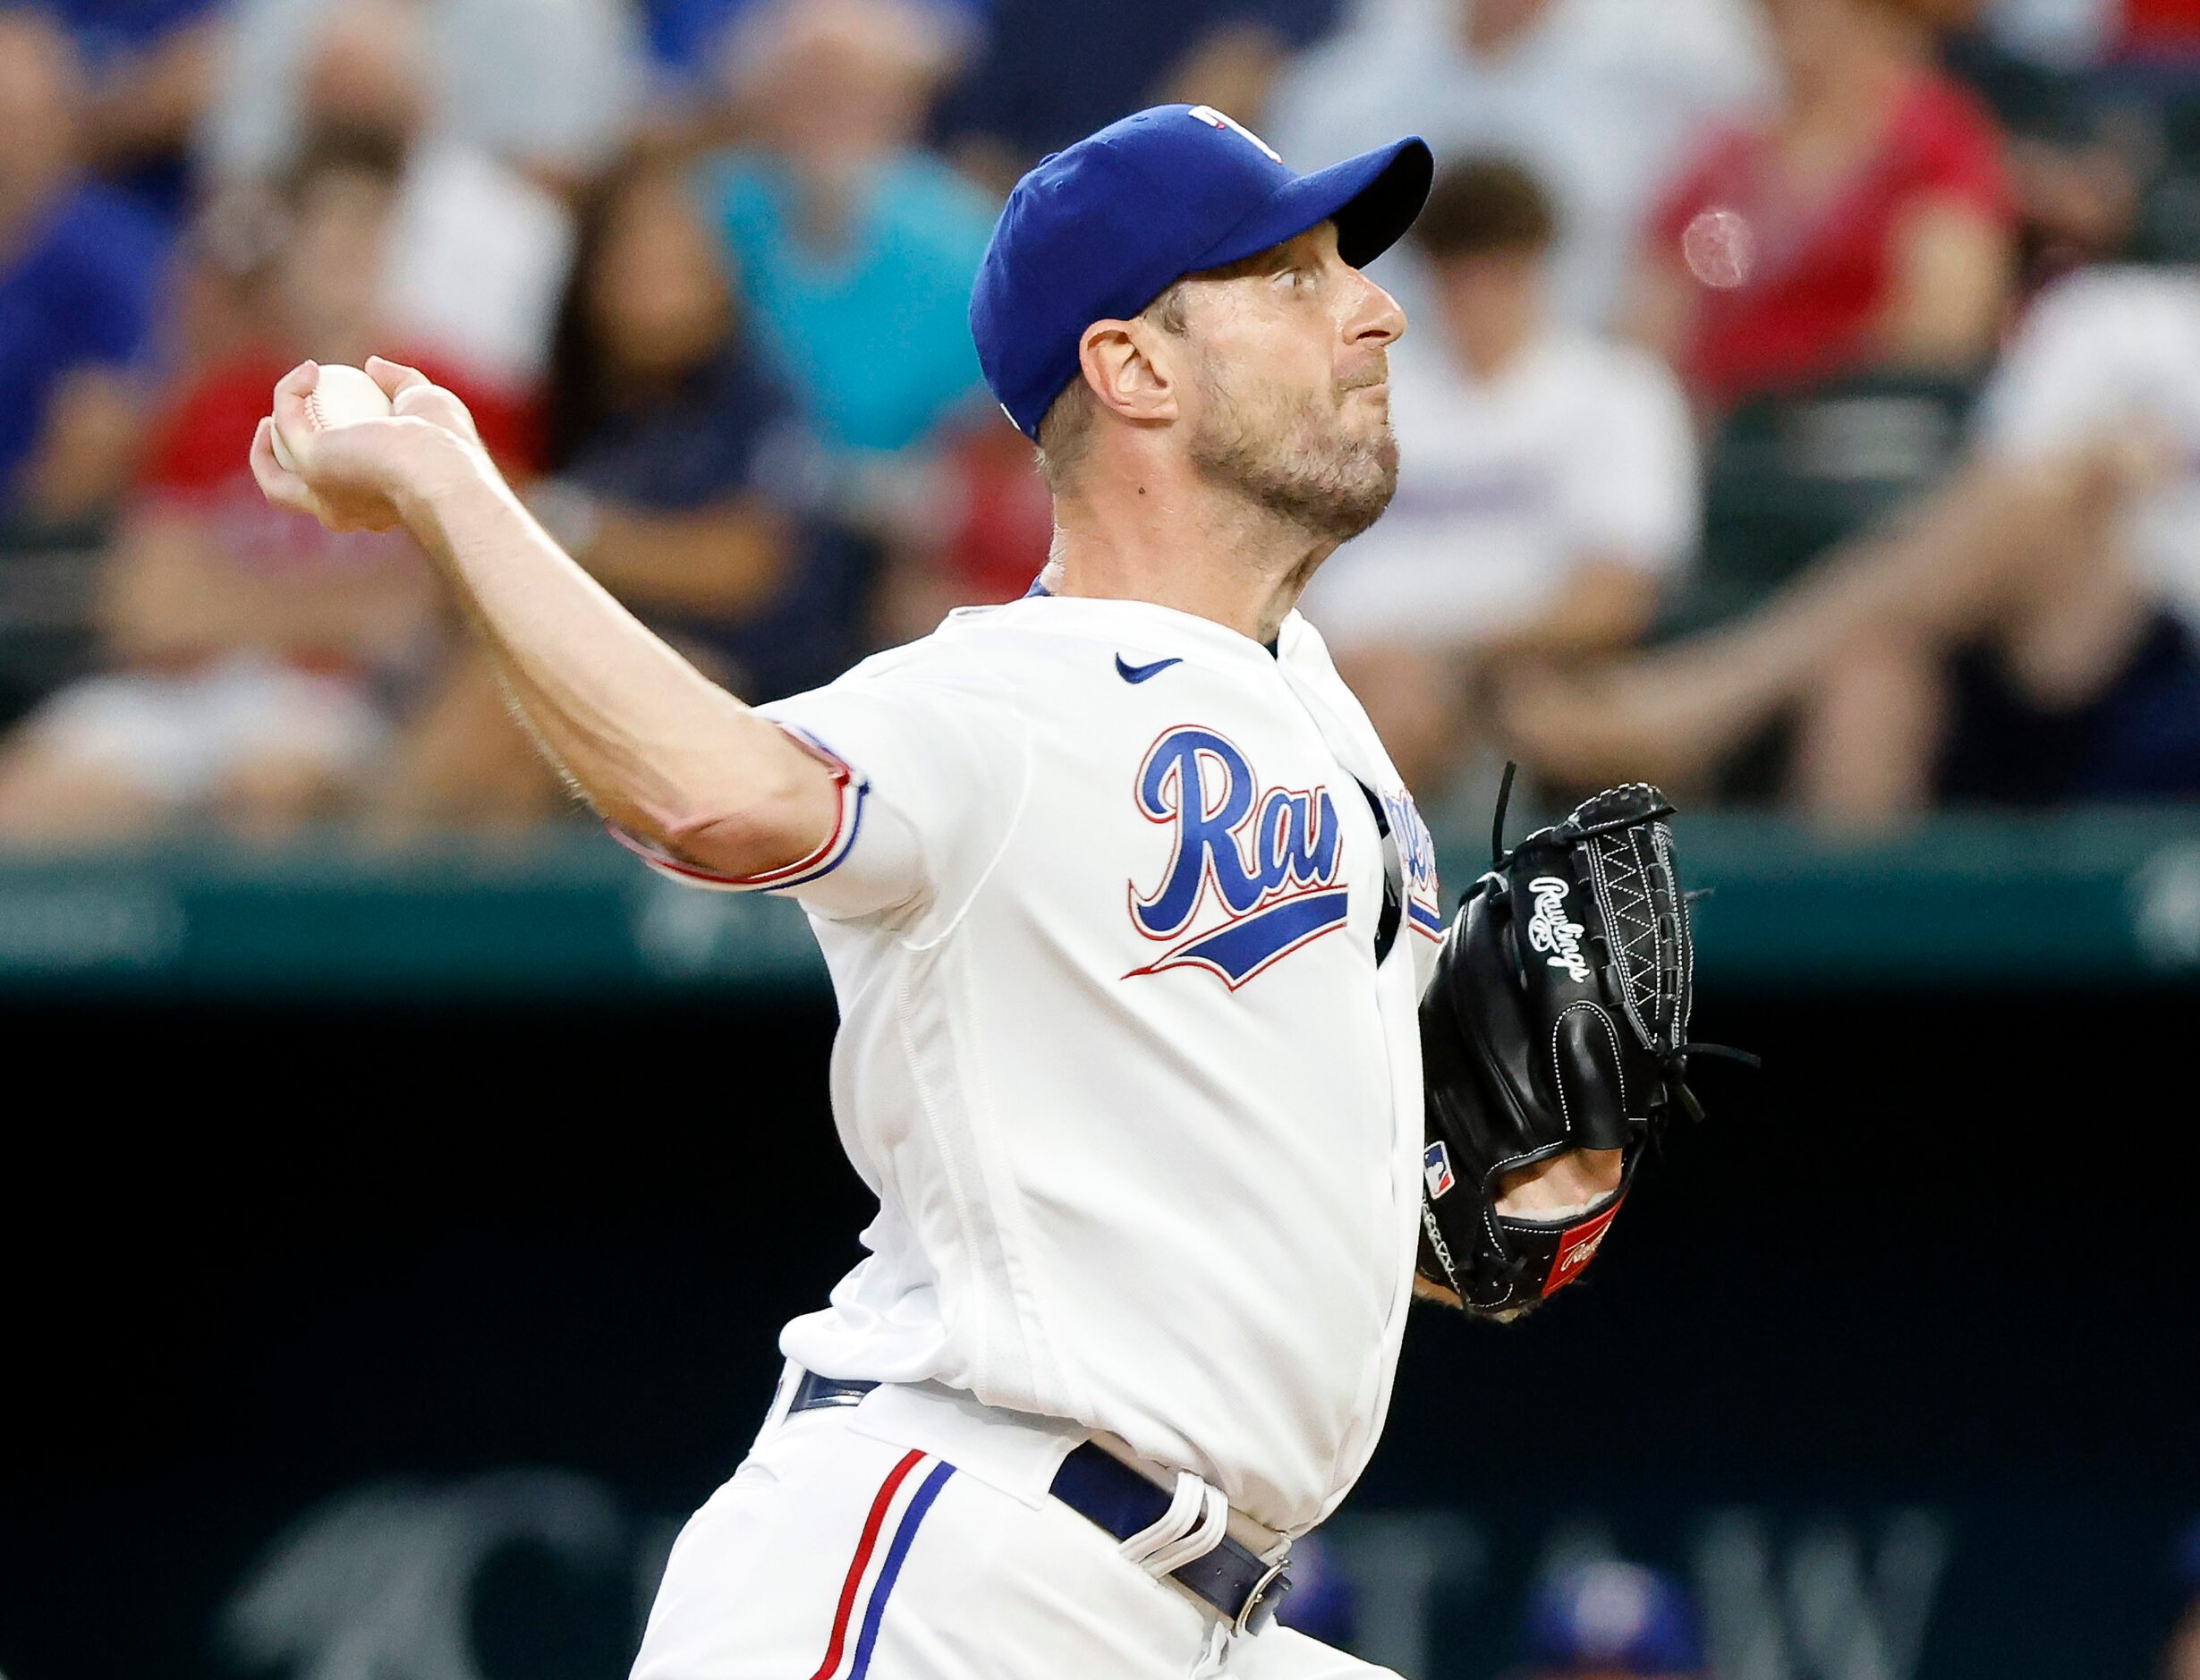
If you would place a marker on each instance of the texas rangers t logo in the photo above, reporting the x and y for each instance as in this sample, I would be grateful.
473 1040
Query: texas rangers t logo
1213 118
1252 875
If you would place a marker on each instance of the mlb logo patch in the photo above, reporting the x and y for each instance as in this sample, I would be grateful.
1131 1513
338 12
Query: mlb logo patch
1436 1168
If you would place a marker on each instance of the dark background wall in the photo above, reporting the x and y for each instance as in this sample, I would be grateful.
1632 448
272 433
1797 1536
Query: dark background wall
1937 1257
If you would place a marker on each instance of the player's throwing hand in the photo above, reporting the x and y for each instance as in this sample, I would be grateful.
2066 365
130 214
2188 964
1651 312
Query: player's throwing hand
352 476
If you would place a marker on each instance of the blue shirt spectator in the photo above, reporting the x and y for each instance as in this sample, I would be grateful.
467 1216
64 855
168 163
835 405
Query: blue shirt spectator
874 333
687 36
148 64
1050 73
730 434
686 478
108 30
78 292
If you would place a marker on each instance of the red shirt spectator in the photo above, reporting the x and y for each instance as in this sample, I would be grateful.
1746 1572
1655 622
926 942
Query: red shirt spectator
206 438
1004 518
200 449
2161 26
1787 291
276 580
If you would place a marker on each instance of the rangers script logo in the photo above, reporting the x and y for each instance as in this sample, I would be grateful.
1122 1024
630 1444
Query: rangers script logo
1252 875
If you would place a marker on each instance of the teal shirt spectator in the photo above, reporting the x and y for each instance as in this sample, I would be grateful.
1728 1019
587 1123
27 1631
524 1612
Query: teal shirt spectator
874 335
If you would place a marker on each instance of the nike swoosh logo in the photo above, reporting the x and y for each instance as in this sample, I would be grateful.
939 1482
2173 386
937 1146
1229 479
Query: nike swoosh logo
1139 673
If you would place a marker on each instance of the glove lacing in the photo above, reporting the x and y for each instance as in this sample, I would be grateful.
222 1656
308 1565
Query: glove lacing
1672 1059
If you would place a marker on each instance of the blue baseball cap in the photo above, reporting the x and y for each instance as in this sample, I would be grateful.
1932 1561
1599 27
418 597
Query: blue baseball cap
1098 232
1613 1617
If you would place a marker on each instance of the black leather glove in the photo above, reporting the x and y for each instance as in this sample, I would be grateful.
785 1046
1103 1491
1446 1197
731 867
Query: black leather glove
1556 1019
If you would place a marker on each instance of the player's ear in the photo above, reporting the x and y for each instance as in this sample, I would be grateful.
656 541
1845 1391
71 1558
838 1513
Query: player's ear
1129 369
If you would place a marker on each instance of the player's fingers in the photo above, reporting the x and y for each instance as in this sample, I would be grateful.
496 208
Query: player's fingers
291 391
283 487
286 490
395 378
276 482
413 393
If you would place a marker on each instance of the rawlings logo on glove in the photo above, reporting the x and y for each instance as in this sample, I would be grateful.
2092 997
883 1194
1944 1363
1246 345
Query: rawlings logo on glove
1549 930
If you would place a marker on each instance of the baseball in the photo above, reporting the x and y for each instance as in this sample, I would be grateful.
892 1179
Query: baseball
341 396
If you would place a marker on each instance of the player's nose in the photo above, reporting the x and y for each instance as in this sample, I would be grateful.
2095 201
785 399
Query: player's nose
1376 321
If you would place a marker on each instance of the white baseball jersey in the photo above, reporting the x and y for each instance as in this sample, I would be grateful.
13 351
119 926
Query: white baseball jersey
1141 1106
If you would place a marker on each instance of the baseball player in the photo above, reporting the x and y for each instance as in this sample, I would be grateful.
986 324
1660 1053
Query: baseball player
1129 919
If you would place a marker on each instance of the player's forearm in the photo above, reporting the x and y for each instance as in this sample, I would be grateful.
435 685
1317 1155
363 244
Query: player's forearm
651 744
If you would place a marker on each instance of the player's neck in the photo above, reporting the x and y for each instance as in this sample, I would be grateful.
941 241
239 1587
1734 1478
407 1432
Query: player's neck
1186 546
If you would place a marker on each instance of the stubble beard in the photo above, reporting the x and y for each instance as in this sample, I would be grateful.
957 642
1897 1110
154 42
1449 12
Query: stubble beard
1295 461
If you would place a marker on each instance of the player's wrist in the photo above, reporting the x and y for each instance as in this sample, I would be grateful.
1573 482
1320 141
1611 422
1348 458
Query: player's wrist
1564 1185
434 468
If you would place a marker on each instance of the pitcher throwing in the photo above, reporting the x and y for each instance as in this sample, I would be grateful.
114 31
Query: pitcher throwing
1130 922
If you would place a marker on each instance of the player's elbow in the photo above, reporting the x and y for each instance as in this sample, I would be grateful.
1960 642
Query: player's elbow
751 831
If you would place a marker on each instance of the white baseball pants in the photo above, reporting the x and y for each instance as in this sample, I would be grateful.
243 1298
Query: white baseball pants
837 1553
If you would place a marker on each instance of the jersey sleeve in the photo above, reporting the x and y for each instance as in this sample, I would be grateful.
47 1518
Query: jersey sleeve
929 769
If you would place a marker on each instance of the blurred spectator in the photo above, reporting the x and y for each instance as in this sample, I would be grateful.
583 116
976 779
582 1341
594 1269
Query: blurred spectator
682 479
1547 486
2068 34
152 67
687 36
1604 1620
1865 222
255 657
692 41
2026 636
2160 29
1598 97
80 270
478 251
547 86
2075 167
855 250
982 537
1049 73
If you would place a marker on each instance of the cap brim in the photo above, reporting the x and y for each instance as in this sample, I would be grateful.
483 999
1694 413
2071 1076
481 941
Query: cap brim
1373 199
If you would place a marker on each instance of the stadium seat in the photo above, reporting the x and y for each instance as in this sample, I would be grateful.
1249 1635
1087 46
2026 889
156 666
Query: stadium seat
46 636
1789 476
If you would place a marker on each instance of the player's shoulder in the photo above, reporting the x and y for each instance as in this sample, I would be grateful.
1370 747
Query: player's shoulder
948 653
1046 655
986 647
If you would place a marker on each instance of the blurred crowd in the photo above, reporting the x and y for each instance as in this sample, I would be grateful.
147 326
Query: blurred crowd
1801 406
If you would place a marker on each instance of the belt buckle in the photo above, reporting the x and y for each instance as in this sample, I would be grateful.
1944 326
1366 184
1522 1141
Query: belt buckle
1251 1616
